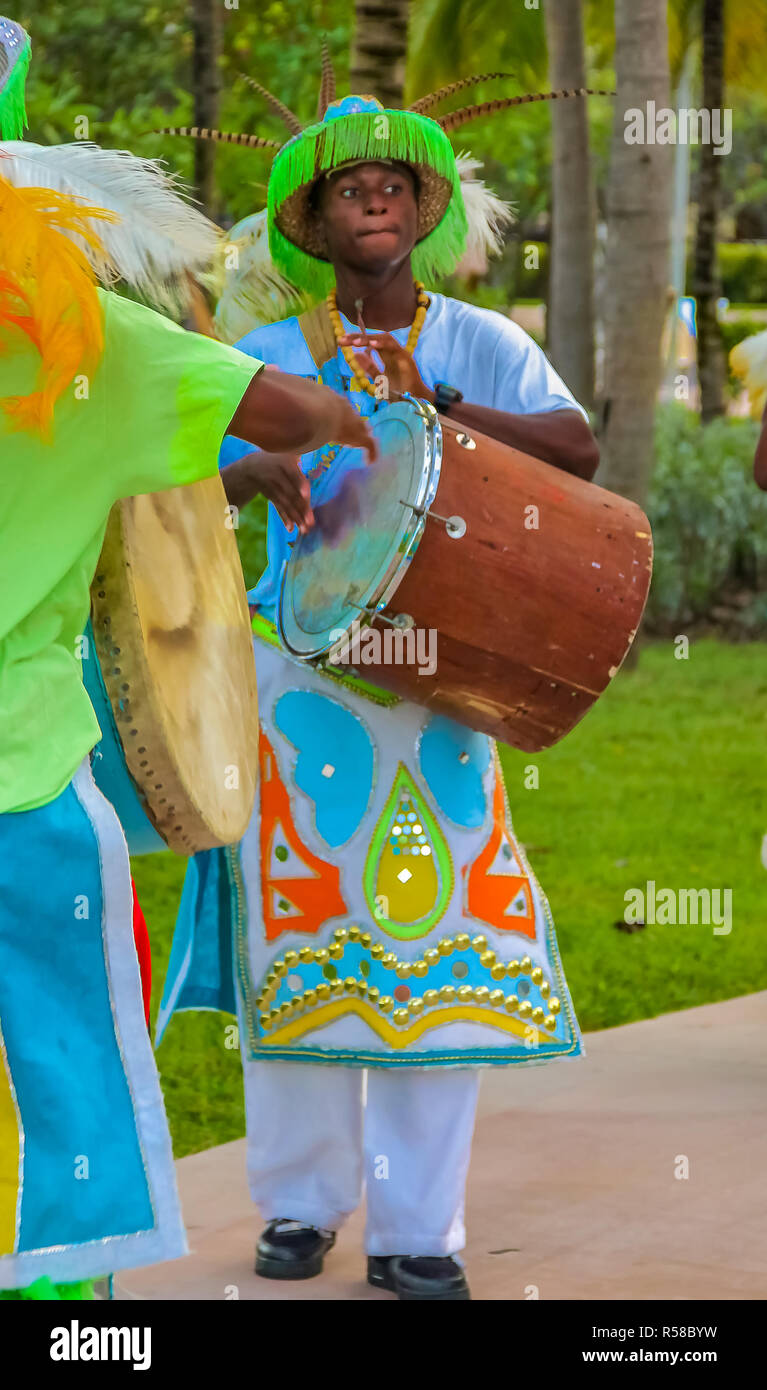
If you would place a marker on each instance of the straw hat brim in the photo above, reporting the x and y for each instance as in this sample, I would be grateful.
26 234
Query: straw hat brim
298 222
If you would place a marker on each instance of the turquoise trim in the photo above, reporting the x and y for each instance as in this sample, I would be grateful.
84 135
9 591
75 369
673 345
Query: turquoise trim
468 1056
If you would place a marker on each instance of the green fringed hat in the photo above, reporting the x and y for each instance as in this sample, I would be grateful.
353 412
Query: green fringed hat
15 52
353 129
358 128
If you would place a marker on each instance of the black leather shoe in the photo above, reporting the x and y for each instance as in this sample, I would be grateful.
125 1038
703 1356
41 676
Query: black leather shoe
434 1277
289 1250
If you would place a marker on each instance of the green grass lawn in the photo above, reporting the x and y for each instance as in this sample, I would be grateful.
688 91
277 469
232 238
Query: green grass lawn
666 779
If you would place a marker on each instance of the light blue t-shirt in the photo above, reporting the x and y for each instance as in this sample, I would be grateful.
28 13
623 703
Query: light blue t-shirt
484 354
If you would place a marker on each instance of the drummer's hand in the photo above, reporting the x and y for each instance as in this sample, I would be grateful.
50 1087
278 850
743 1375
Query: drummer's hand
398 366
279 479
351 428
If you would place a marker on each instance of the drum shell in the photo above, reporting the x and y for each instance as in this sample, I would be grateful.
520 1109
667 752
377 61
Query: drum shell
535 606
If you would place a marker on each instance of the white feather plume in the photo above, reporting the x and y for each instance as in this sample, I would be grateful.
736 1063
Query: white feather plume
488 215
159 237
253 290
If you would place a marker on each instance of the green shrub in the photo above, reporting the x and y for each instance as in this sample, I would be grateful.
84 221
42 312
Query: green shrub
709 519
532 283
743 270
251 539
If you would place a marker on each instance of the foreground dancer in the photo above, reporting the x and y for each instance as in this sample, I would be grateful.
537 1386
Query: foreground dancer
87 1182
347 953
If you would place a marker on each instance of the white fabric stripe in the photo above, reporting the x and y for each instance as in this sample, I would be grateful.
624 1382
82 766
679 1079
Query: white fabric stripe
167 1240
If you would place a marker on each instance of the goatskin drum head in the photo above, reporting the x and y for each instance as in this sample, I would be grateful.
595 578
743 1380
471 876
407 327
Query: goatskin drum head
366 530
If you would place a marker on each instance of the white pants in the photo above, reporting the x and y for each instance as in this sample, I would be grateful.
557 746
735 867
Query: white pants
314 1143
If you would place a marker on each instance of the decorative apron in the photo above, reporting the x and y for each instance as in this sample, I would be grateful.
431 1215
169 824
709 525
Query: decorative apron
379 910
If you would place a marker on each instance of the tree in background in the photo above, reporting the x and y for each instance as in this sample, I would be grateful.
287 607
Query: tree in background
706 285
379 50
638 247
570 313
206 87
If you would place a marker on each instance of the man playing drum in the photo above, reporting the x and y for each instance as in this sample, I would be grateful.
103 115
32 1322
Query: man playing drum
87 1183
348 954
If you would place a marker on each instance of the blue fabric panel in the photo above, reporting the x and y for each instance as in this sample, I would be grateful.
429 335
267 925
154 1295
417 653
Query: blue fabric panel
200 972
453 762
73 1095
335 760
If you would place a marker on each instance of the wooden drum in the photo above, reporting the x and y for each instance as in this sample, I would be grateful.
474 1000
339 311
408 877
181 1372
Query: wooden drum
174 684
533 580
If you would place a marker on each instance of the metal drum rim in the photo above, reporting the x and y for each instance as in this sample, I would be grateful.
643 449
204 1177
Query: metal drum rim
388 583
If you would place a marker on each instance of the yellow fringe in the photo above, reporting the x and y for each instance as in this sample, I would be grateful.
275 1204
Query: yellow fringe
48 292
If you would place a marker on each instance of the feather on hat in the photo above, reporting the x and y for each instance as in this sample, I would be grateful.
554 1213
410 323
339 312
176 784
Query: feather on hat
359 128
15 51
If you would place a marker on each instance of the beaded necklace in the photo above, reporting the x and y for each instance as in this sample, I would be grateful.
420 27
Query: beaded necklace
360 376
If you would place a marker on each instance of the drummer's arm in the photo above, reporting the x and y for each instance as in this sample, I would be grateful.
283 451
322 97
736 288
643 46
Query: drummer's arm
282 412
560 437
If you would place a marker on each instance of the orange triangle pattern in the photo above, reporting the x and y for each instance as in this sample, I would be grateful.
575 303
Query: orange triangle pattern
489 895
311 898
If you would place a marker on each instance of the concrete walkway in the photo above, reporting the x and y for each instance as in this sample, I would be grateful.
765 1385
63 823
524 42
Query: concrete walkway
572 1190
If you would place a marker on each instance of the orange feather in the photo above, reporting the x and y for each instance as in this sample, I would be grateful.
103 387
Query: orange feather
48 292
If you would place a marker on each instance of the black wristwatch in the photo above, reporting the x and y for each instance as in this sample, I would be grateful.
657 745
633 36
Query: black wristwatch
445 396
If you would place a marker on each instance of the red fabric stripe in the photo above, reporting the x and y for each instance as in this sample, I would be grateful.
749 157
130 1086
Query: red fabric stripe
143 951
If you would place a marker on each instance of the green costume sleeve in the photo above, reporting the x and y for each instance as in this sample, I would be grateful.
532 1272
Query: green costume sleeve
169 397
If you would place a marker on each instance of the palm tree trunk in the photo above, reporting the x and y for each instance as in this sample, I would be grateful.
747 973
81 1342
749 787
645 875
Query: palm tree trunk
206 86
379 50
570 316
706 284
638 246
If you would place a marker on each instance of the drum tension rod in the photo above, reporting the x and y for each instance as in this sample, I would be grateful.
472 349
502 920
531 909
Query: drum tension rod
454 525
402 620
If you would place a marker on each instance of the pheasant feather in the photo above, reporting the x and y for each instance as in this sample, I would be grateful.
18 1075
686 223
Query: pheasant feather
327 82
454 119
226 137
426 103
284 112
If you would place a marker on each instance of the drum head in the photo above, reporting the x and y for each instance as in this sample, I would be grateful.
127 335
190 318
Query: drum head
170 618
366 530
